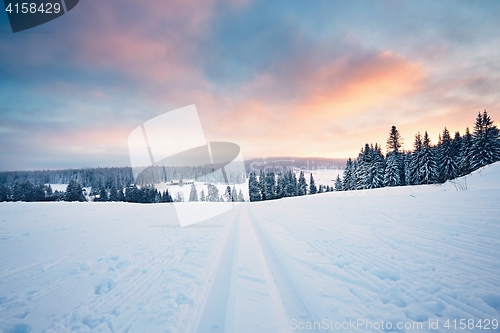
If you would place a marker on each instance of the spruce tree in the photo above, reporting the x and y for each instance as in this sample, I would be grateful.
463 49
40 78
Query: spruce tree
103 195
253 188
270 186
375 168
262 186
466 154
202 195
427 165
227 194
193 193
302 185
394 142
234 194
280 186
392 171
312 185
338 184
485 142
414 173
241 198
74 192
447 166
113 193
348 178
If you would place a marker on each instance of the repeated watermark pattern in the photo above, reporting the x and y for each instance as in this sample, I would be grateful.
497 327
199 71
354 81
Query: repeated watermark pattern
176 139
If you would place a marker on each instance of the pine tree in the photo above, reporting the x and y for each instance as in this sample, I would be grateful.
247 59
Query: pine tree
394 142
302 185
74 192
280 186
4 192
466 154
312 185
241 198
103 195
375 168
291 185
234 194
427 166
414 173
253 188
338 184
212 193
392 171
202 195
120 195
227 194
270 186
113 193
485 142
193 193
348 178
262 186
447 167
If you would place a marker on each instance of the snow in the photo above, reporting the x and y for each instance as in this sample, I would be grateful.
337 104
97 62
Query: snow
410 255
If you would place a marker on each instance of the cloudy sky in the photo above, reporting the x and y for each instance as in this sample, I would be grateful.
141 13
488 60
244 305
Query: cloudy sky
279 78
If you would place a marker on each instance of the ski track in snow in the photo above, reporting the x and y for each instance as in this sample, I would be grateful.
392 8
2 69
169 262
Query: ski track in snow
409 254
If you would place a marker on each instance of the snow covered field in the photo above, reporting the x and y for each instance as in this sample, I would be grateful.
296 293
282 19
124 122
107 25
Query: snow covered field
408 256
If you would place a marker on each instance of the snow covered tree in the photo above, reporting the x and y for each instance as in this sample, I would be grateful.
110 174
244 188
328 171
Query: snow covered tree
262 186
312 185
253 188
202 195
394 145
4 193
74 192
338 184
485 142
270 186
392 172
234 195
290 189
280 186
103 195
213 193
241 198
394 142
447 162
414 175
466 154
427 165
375 168
302 185
227 194
193 193
348 181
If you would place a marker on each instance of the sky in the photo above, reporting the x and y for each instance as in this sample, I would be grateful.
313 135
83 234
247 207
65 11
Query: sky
278 78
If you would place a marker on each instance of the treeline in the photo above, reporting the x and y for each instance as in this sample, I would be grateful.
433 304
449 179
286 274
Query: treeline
74 192
121 177
212 195
451 157
268 186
